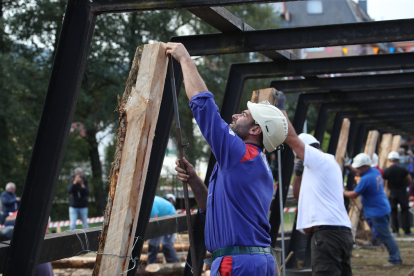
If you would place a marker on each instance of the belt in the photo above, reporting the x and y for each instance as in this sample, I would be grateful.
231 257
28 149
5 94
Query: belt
236 250
331 227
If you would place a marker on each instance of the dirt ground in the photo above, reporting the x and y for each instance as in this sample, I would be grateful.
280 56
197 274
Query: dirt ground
368 262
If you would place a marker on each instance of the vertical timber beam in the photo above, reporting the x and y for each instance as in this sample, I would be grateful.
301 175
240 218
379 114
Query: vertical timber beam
396 143
162 134
384 150
51 139
139 111
342 143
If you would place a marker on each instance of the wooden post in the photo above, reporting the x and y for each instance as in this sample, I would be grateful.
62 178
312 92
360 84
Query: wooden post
356 208
371 142
139 111
396 143
342 143
267 94
384 150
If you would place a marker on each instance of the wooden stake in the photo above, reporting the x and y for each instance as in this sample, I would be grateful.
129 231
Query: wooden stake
384 150
371 144
139 110
342 143
267 94
396 144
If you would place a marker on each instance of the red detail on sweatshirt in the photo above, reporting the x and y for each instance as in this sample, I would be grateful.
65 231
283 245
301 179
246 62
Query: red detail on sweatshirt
251 152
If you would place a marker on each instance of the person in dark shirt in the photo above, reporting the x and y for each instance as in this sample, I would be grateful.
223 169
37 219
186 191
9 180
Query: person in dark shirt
79 192
398 180
9 200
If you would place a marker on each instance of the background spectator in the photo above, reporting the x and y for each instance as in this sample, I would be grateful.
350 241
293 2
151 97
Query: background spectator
161 208
398 180
9 201
410 163
79 192
403 158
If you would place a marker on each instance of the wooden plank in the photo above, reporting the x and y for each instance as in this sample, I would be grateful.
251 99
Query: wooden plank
384 150
342 143
396 142
371 144
266 94
140 107
356 208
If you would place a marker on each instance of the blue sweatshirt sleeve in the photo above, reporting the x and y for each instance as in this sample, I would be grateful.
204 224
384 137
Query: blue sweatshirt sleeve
226 146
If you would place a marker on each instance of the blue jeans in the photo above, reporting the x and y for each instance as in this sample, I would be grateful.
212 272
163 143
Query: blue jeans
382 226
167 248
73 216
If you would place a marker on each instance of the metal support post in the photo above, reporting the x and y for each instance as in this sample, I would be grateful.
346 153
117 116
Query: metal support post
321 125
51 139
282 230
336 132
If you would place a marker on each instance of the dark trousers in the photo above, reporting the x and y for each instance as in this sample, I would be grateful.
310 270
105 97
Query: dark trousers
331 253
167 248
401 198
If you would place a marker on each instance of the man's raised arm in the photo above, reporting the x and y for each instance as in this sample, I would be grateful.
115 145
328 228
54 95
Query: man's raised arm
292 138
193 82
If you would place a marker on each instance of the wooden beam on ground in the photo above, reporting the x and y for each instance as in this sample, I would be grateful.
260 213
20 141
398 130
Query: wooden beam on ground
384 150
342 143
267 94
356 208
139 111
165 269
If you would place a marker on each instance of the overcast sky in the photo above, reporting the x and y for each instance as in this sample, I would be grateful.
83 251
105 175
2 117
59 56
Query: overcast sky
390 9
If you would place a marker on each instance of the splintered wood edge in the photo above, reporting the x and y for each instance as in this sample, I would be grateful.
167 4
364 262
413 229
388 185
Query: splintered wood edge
133 75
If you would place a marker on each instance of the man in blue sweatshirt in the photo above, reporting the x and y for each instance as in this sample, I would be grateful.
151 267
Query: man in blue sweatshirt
238 198
375 204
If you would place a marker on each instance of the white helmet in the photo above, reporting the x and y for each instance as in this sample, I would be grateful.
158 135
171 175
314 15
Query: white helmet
360 160
393 155
168 196
272 122
374 163
308 139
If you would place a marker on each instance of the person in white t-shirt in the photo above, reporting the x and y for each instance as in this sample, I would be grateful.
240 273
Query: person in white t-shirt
318 185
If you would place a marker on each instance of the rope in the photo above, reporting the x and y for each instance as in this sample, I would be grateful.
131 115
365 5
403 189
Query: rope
86 250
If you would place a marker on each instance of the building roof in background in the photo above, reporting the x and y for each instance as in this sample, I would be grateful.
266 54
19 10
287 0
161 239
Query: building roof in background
324 12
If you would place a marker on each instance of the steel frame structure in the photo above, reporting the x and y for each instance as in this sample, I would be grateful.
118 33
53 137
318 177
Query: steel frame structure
28 246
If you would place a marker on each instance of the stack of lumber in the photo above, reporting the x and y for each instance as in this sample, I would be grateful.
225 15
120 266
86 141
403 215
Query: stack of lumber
160 268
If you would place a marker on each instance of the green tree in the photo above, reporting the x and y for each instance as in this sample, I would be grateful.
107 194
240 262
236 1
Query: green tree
38 24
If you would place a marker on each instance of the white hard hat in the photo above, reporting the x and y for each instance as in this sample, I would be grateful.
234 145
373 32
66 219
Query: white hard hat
168 196
272 122
361 159
393 155
374 163
308 139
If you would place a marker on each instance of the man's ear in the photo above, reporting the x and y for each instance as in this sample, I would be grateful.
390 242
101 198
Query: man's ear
255 130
